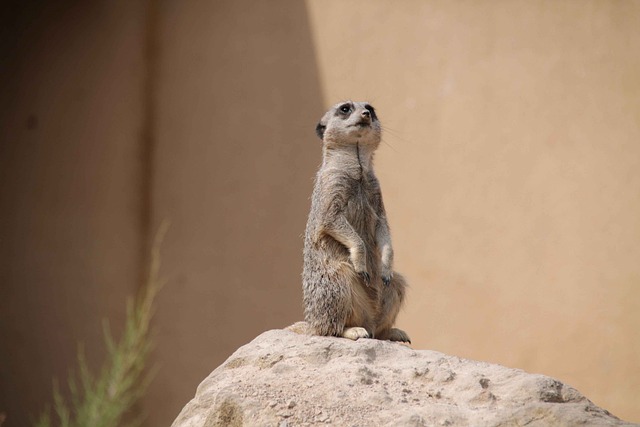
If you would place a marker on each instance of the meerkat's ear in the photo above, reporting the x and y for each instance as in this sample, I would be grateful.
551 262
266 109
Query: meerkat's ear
320 128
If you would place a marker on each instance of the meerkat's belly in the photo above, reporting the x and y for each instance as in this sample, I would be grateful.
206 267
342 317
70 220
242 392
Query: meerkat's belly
363 218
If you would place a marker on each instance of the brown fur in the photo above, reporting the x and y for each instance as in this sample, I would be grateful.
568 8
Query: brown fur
349 286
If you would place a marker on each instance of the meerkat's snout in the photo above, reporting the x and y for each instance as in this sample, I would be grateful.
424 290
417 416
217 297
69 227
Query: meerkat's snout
365 118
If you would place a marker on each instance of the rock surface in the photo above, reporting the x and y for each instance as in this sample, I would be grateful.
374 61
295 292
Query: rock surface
285 379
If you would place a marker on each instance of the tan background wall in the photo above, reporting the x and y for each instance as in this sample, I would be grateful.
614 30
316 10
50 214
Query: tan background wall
511 176
510 171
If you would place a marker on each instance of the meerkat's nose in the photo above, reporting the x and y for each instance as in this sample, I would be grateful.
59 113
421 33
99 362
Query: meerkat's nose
366 114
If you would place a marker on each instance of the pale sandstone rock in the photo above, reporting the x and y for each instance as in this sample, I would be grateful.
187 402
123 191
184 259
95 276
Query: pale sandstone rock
285 379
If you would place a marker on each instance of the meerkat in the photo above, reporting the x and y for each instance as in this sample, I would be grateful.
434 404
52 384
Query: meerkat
349 287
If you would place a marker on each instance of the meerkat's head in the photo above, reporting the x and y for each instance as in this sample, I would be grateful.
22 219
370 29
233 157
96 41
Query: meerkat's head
348 123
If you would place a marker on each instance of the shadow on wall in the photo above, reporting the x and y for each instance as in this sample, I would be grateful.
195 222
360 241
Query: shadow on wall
228 156
238 99
70 235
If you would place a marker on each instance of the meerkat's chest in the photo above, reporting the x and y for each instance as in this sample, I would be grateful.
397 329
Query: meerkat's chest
362 200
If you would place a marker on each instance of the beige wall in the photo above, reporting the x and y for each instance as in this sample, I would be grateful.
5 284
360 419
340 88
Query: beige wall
510 171
511 176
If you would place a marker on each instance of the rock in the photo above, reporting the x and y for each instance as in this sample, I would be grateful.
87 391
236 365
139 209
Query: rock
285 379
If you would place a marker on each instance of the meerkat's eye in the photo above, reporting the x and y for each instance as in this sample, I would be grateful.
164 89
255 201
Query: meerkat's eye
345 108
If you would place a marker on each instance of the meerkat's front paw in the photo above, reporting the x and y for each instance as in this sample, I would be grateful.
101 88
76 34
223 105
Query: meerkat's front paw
360 267
387 275
354 333
365 277
387 259
358 258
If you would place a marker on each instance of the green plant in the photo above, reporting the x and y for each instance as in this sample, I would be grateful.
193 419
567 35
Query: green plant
103 400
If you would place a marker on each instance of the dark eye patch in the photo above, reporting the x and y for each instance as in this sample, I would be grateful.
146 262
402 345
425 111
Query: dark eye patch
345 108
372 111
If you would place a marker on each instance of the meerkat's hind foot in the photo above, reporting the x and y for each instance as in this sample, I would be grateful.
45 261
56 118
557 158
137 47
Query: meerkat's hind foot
355 333
396 334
